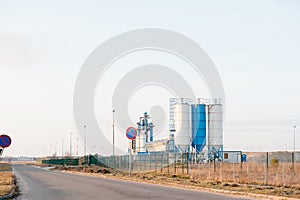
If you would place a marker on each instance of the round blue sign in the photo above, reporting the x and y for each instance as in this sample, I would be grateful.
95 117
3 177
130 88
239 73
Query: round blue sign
5 141
131 133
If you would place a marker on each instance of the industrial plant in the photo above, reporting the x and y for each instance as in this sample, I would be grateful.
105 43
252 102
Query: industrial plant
195 127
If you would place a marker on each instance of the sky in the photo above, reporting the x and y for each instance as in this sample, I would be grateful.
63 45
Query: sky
255 46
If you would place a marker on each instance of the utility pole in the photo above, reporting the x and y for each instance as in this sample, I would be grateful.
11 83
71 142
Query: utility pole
113 126
71 143
294 138
293 154
77 146
62 147
84 126
55 149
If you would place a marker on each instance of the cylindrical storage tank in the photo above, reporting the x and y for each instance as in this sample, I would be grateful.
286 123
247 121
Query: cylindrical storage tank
141 141
182 126
198 126
215 131
151 131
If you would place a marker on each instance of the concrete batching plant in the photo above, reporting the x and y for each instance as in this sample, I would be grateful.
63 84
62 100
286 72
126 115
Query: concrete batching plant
196 126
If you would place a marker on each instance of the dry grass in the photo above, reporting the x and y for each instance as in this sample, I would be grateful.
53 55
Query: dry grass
6 179
282 174
5 167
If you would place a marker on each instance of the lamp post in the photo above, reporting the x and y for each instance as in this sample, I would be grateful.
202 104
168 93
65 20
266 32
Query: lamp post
84 126
71 143
293 154
77 146
62 147
113 126
55 149
294 127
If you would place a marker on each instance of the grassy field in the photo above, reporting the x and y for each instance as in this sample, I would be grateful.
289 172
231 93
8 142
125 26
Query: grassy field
6 179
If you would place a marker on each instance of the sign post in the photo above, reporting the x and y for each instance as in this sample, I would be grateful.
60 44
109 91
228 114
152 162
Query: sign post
131 135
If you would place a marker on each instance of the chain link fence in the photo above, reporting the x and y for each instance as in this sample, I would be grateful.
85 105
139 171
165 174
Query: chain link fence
158 162
275 168
269 168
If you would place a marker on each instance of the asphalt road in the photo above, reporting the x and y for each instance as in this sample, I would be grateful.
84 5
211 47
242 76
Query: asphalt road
41 184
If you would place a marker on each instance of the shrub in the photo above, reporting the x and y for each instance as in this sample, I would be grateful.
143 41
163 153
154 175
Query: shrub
275 162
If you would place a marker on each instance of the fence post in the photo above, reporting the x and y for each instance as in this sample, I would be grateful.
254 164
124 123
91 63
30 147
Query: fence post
293 161
161 162
241 162
267 160
187 164
182 169
168 163
248 177
121 163
267 169
155 162
175 163
129 163
214 167
139 161
221 178
233 175
113 162
117 162
198 170
145 161
282 175
150 161
209 170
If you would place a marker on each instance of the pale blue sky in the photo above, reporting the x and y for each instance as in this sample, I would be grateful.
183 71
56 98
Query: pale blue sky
255 45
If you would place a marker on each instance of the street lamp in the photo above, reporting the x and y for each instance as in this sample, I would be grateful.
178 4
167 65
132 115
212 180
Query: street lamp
71 143
62 147
293 154
84 126
113 126
55 149
294 137
77 146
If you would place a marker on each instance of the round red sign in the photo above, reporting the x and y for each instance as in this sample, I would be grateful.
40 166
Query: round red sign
131 133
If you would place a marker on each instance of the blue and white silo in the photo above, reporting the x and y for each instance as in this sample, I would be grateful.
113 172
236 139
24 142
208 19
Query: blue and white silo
198 127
